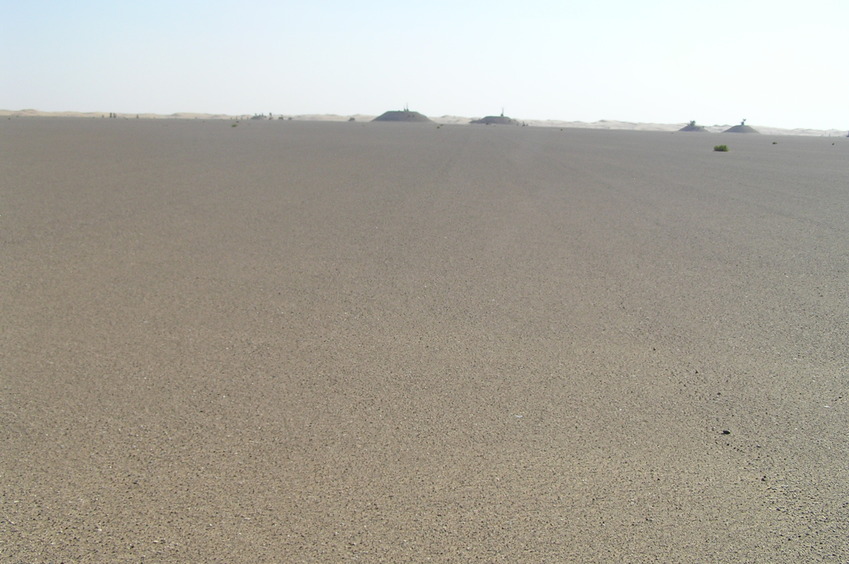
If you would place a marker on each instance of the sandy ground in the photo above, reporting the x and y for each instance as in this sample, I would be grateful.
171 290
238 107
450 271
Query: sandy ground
332 342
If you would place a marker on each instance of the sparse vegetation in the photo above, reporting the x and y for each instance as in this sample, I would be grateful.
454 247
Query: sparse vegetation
721 148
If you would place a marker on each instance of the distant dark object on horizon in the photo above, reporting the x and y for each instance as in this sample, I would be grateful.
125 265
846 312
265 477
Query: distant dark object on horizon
742 128
693 127
402 115
496 120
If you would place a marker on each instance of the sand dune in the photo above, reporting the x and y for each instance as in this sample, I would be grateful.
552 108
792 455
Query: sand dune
445 120
294 341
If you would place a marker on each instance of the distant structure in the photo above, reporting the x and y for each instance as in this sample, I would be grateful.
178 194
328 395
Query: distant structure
693 127
402 115
742 128
496 120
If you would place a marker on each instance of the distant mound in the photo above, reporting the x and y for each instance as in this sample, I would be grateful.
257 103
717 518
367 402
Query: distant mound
401 115
742 128
693 127
496 120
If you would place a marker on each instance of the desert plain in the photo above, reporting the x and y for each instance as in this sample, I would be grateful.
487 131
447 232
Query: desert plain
284 341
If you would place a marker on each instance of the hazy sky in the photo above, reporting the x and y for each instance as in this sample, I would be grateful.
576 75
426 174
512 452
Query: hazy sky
775 62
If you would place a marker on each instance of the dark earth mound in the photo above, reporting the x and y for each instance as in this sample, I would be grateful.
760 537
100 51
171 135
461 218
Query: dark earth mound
499 120
741 129
401 115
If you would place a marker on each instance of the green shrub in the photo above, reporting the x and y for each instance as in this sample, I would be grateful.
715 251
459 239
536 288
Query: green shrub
721 148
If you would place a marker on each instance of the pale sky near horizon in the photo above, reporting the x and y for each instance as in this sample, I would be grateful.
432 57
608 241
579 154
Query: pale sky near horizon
775 63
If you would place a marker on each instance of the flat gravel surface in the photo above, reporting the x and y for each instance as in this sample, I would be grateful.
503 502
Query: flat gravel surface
382 342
